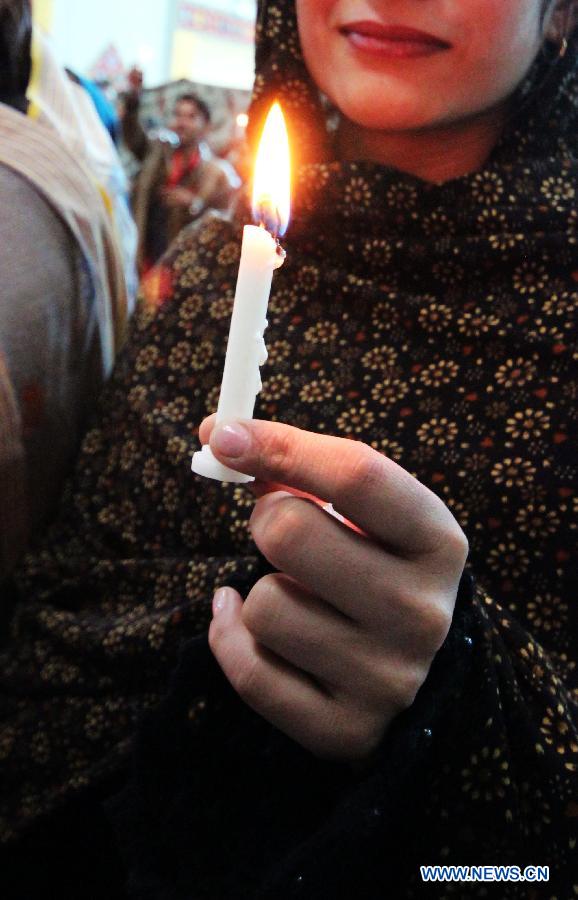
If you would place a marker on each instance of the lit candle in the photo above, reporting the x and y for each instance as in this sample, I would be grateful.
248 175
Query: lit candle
261 254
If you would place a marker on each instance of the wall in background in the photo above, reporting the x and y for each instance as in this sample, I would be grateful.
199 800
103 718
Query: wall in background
210 41
43 11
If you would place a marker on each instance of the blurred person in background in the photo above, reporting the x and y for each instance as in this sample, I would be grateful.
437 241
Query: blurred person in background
62 100
105 108
176 184
63 305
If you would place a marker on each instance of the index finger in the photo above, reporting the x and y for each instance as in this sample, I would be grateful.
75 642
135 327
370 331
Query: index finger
363 485
260 488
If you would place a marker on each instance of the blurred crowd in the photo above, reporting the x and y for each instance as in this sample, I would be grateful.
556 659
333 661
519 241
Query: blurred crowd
92 194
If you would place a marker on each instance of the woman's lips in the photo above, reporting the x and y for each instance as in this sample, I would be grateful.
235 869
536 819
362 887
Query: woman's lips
393 41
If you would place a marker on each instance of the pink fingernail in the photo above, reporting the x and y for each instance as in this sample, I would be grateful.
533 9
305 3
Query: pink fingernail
231 440
221 600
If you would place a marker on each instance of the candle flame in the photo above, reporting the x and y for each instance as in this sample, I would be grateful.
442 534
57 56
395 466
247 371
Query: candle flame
272 177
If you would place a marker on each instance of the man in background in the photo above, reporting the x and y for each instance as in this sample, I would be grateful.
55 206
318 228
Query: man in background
177 182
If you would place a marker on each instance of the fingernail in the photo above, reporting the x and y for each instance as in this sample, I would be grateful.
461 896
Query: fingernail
221 600
231 440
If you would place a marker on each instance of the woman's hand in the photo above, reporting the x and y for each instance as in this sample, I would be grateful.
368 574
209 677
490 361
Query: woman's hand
335 646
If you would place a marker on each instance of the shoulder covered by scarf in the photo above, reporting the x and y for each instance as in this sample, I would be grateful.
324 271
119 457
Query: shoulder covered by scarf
436 323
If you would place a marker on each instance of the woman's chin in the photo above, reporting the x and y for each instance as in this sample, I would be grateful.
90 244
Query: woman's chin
395 118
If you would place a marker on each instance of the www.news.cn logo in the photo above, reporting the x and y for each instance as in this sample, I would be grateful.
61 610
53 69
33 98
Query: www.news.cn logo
484 873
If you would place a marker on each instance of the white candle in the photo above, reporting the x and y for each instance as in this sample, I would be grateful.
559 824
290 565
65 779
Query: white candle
260 256
246 351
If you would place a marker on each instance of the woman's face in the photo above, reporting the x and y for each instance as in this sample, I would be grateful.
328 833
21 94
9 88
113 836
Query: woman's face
411 64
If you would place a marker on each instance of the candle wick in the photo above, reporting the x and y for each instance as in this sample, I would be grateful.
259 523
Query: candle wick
268 218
